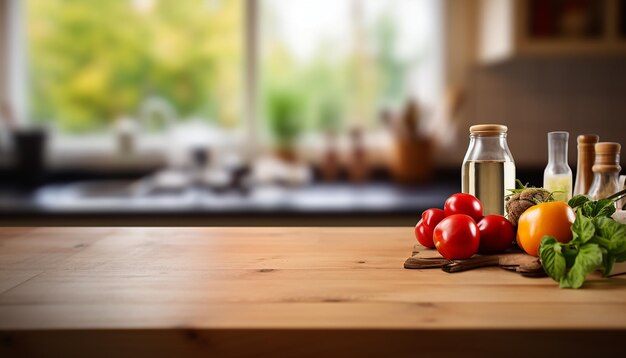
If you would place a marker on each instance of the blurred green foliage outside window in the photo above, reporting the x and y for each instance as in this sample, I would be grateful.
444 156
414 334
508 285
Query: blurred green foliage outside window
332 65
92 61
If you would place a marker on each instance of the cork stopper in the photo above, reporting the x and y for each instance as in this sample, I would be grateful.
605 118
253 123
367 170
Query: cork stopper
488 129
607 157
588 139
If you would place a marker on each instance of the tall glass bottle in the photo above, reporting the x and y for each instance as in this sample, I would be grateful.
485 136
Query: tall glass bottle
605 171
488 168
557 177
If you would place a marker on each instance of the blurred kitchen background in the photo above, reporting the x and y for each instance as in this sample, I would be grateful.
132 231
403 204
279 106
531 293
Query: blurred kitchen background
283 112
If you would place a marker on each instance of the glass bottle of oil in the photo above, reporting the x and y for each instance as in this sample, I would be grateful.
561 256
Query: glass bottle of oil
488 170
557 177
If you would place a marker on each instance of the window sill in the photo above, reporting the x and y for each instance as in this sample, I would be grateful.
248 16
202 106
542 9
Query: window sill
103 152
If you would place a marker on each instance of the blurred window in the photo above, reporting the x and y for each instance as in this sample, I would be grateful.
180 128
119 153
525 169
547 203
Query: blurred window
92 61
324 65
336 64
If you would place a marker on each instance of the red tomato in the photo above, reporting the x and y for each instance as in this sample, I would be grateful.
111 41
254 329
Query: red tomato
496 234
432 217
457 237
424 228
424 234
467 204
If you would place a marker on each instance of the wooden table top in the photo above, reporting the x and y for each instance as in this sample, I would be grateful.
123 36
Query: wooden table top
57 282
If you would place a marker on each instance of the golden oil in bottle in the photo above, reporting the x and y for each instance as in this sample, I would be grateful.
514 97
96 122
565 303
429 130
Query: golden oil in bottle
489 181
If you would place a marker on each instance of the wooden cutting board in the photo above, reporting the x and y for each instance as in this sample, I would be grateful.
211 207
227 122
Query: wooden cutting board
512 260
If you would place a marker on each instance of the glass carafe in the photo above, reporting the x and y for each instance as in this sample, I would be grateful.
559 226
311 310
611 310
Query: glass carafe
488 170
557 177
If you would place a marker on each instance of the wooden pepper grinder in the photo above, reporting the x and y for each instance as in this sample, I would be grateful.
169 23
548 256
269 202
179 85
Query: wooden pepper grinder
586 157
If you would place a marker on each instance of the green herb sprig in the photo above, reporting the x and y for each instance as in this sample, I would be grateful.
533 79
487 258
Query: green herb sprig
521 187
598 243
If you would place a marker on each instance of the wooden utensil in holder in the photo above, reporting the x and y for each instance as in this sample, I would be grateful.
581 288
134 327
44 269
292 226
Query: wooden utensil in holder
411 159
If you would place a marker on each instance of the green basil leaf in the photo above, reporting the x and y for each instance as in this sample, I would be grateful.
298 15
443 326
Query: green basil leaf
552 259
577 201
588 259
583 229
600 241
602 225
618 245
570 255
612 232
588 208
608 261
604 207
606 210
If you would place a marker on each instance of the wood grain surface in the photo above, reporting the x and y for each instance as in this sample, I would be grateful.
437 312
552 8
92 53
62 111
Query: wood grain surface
280 291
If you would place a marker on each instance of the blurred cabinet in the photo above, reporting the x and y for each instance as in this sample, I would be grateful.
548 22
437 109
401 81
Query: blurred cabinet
527 28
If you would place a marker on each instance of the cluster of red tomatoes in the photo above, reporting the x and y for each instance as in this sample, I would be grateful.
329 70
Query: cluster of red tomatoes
460 230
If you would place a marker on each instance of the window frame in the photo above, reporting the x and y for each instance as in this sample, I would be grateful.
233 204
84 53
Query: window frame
14 71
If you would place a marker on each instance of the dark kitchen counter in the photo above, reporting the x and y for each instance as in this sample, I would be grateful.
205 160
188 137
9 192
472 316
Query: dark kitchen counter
113 199
112 203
